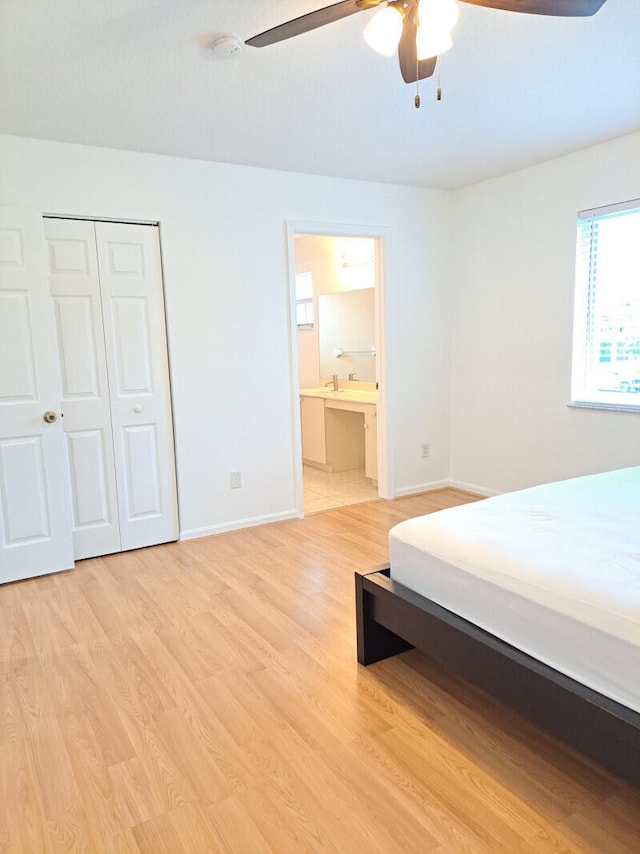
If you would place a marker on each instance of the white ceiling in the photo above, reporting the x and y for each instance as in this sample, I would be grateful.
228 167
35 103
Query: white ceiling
135 74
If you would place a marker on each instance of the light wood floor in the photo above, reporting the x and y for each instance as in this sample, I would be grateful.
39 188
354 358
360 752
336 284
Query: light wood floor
205 697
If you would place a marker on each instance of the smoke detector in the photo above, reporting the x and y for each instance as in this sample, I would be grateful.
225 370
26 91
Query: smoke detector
226 47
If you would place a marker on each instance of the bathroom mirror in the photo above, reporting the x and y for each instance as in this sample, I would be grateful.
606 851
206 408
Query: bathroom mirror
346 334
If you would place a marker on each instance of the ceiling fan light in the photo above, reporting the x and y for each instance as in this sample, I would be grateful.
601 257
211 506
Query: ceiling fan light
383 31
437 19
441 14
430 42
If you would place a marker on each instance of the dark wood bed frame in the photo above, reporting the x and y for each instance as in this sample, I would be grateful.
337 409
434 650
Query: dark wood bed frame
391 618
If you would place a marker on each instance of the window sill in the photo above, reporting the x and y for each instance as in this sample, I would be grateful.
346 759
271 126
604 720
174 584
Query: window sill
611 407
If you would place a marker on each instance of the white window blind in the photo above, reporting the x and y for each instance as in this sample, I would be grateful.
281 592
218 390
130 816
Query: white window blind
304 301
606 347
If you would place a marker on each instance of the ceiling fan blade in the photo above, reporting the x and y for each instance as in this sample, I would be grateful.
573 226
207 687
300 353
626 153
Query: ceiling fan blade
311 21
407 51
564 8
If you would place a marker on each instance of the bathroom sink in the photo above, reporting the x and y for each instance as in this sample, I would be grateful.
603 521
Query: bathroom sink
346 394
320 392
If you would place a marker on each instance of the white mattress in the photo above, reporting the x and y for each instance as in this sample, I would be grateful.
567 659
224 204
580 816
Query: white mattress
553 570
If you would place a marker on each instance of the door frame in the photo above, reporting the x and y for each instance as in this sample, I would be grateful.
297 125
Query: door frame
332 229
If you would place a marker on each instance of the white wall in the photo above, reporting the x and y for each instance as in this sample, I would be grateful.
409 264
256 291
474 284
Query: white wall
223 233
513 254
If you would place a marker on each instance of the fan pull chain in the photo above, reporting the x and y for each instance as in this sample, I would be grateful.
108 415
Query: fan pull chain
439 89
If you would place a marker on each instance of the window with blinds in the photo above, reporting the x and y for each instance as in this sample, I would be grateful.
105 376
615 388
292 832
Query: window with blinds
606 340
304 301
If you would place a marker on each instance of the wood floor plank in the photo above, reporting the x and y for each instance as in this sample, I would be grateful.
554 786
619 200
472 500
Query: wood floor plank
234 831
12 725
204 696
394 797
70 831
510 744
625 804
16 640
468 794
94 699
212 776
138 798
345 812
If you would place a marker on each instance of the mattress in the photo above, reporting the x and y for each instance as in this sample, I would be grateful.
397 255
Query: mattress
553 570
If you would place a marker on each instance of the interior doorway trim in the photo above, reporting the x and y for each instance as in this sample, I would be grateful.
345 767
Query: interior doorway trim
379 233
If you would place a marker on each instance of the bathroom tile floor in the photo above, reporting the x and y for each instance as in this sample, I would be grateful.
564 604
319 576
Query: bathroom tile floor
325 490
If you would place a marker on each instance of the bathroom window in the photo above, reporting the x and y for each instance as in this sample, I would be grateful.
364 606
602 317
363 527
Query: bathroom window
606 336
304 300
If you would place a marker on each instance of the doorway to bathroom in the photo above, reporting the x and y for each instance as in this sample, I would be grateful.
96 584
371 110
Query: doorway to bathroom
336 298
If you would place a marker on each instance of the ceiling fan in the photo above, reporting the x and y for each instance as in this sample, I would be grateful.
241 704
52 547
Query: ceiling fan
415 63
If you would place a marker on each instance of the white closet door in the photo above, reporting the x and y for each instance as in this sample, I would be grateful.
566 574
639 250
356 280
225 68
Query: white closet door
35 524
133 311
74 284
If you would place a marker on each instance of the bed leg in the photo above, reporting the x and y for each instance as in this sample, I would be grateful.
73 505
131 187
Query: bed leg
374 641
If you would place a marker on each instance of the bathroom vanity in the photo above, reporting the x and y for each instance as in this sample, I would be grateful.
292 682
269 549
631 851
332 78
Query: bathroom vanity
339 430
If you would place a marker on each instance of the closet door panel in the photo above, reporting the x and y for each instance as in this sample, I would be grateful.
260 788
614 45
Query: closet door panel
132 347
35 525
134 323
79 359
75 287
142 467
26 518
91 497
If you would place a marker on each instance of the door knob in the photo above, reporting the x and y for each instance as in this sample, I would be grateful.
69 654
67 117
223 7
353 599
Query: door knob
49 417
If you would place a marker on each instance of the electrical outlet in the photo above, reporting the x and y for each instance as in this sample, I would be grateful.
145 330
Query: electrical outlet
235 479
425 449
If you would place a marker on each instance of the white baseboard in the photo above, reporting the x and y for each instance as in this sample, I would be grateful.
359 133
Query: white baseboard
420 487
444 484
473 487
209 531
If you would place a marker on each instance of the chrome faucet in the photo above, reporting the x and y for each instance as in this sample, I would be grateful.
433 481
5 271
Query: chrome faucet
333 382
